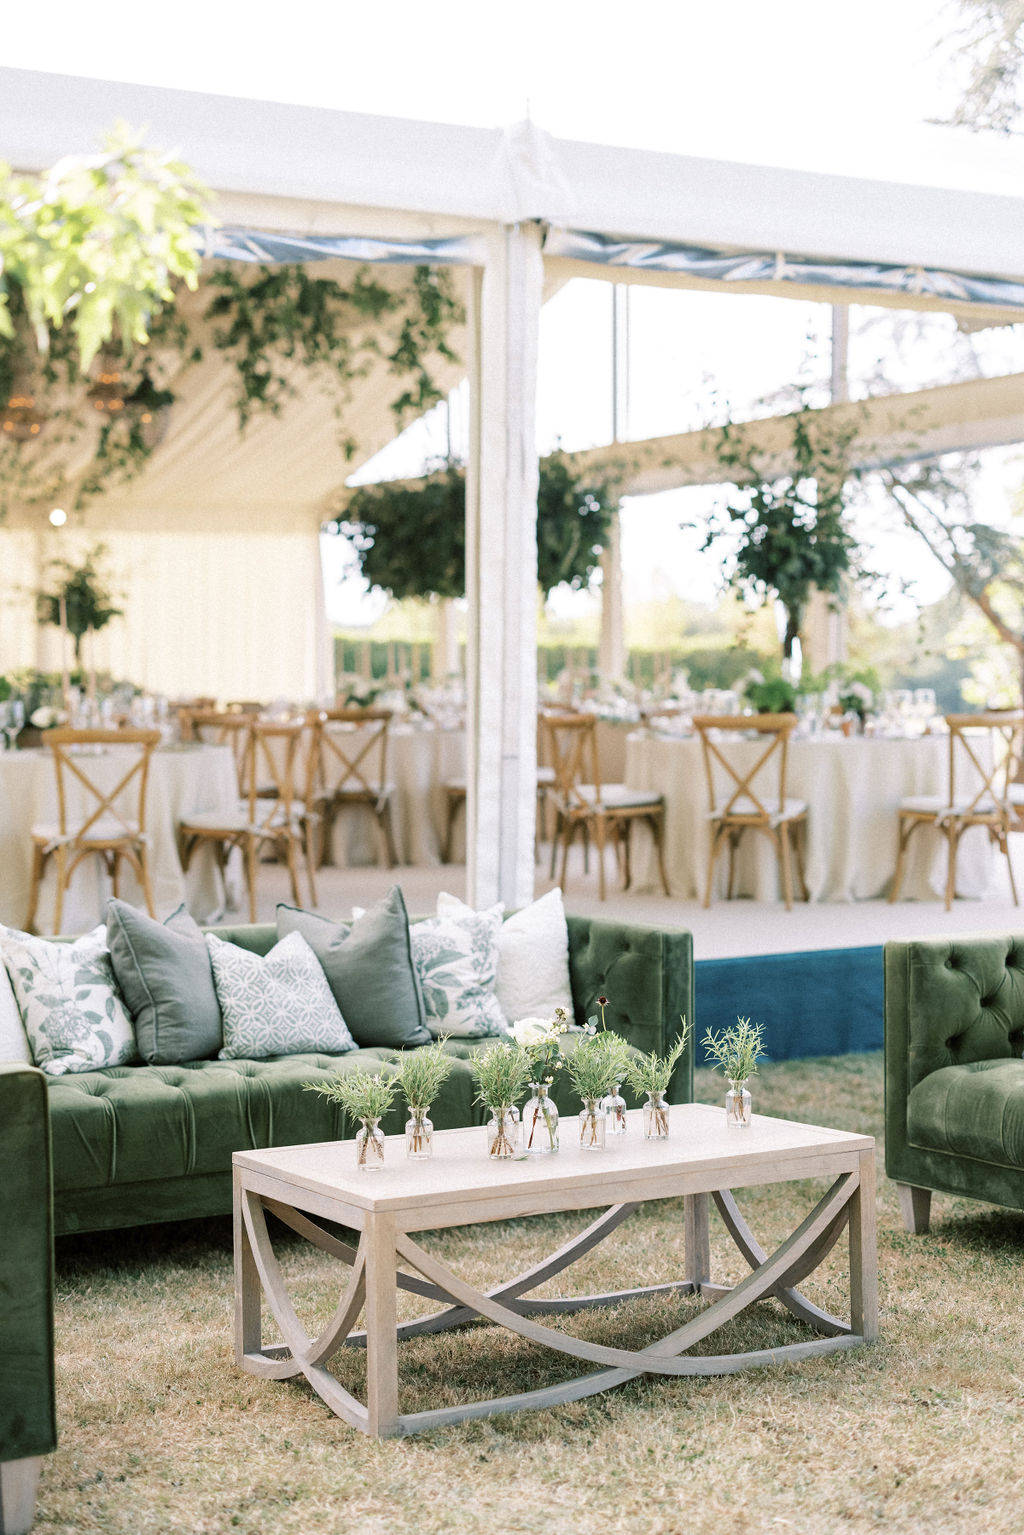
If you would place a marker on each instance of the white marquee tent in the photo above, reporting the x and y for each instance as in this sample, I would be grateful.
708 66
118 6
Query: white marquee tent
514 213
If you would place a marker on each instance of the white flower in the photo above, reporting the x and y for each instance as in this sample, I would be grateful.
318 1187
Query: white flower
44 717
531 1031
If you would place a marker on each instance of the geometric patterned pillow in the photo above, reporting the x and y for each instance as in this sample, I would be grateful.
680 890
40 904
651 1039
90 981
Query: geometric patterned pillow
73 1014
456 957
275 1004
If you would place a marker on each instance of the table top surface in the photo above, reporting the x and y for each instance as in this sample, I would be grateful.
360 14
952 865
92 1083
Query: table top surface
701 1151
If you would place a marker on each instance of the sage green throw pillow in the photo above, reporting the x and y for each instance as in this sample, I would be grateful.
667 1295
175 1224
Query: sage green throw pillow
164 974
369 968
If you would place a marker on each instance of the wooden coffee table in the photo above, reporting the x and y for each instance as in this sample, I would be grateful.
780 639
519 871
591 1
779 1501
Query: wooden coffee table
303 1185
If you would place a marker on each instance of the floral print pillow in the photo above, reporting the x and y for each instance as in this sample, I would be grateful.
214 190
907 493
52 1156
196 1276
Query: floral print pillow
73 1014
456 958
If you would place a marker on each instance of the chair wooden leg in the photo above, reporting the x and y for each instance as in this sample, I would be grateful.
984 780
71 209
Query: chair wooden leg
658 833
61 862
38 867
716 840
905 828
1004 848
734 842
251 865
782 836
293 867
952 839
568 831
599 842
800 848
308 840
390 851
449 828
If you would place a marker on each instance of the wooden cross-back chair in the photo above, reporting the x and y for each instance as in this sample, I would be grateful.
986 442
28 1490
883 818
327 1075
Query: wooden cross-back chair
268 814
347 767
220 727
582 803
111 824
751 798
984 761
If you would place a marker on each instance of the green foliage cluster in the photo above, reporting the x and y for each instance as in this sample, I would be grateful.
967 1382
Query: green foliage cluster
652 1073
770 694
597 1063
410 539
788 531
502 1074
362 1094
422 1073
737 1050
88 602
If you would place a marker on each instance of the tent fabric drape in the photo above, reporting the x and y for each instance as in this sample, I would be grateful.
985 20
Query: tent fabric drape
260 247
781 267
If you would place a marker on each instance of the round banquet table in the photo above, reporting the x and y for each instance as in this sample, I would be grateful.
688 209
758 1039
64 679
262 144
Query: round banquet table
182 780
852 787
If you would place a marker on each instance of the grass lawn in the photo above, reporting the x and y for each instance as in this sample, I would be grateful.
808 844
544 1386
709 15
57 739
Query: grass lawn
159 1432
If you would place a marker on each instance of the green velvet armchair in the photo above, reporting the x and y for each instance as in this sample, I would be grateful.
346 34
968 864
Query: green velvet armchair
954 1076
27 1409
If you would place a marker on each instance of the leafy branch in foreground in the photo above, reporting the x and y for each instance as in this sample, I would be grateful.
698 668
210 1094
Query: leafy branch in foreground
422 1073
363 1095
737 1050
652 1073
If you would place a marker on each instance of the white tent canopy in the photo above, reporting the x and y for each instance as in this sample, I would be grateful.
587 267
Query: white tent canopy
314 172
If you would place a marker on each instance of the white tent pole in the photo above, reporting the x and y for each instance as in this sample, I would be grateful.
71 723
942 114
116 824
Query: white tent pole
611 655
501 570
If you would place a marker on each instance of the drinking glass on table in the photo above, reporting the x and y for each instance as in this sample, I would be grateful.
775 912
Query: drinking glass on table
14 721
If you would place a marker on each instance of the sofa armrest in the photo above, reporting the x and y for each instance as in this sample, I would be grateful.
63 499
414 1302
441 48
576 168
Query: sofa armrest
948 1002
27 1404
647 975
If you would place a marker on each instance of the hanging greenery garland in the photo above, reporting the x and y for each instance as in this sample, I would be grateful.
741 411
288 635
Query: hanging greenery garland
410 539
94 260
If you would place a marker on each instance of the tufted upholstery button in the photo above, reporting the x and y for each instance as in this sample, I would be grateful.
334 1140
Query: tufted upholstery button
951 1044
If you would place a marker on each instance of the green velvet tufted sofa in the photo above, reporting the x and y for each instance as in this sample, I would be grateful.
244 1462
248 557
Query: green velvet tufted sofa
954 1076
137 1144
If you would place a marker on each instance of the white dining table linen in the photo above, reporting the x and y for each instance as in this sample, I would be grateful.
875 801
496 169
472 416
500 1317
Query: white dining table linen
852 787
183 780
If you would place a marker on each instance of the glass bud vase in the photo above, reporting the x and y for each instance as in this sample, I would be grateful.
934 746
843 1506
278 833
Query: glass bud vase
540 1122
593 1125
503 1132
737 1105
656 1117
614 1106
370 1146
419 1136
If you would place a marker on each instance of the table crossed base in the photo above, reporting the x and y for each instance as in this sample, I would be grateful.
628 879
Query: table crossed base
387 1259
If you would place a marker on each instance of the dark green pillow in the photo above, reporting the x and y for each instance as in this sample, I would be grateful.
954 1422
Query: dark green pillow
369 968
164 974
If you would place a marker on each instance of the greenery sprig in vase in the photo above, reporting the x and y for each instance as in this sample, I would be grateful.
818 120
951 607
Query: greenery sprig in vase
598 1062
421 1075
367 1097
651 1074
502 1075
542 1038
736 1052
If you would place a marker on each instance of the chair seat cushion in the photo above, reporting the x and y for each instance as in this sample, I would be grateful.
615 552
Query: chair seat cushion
618 796
940 807
790 810
975 1110
106 829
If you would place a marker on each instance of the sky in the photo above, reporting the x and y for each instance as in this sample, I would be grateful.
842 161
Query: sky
807 83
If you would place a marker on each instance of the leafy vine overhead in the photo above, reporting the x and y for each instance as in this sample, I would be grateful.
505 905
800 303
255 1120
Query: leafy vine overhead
96 261
283 315
410 538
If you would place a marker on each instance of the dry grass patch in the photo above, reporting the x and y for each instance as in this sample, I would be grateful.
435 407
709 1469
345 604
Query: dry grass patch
161 1433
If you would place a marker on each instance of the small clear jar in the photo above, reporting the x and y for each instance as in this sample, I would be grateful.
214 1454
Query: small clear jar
614 1106
593 1125
419 1136
655 1113
737 1105
540 1122
504 1131
370 1146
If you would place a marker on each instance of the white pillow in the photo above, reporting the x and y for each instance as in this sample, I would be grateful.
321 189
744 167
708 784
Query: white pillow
456 959
72 1011
275 1004
533 957
13 1039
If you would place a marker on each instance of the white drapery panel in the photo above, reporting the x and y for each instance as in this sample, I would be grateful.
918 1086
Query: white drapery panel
194 605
